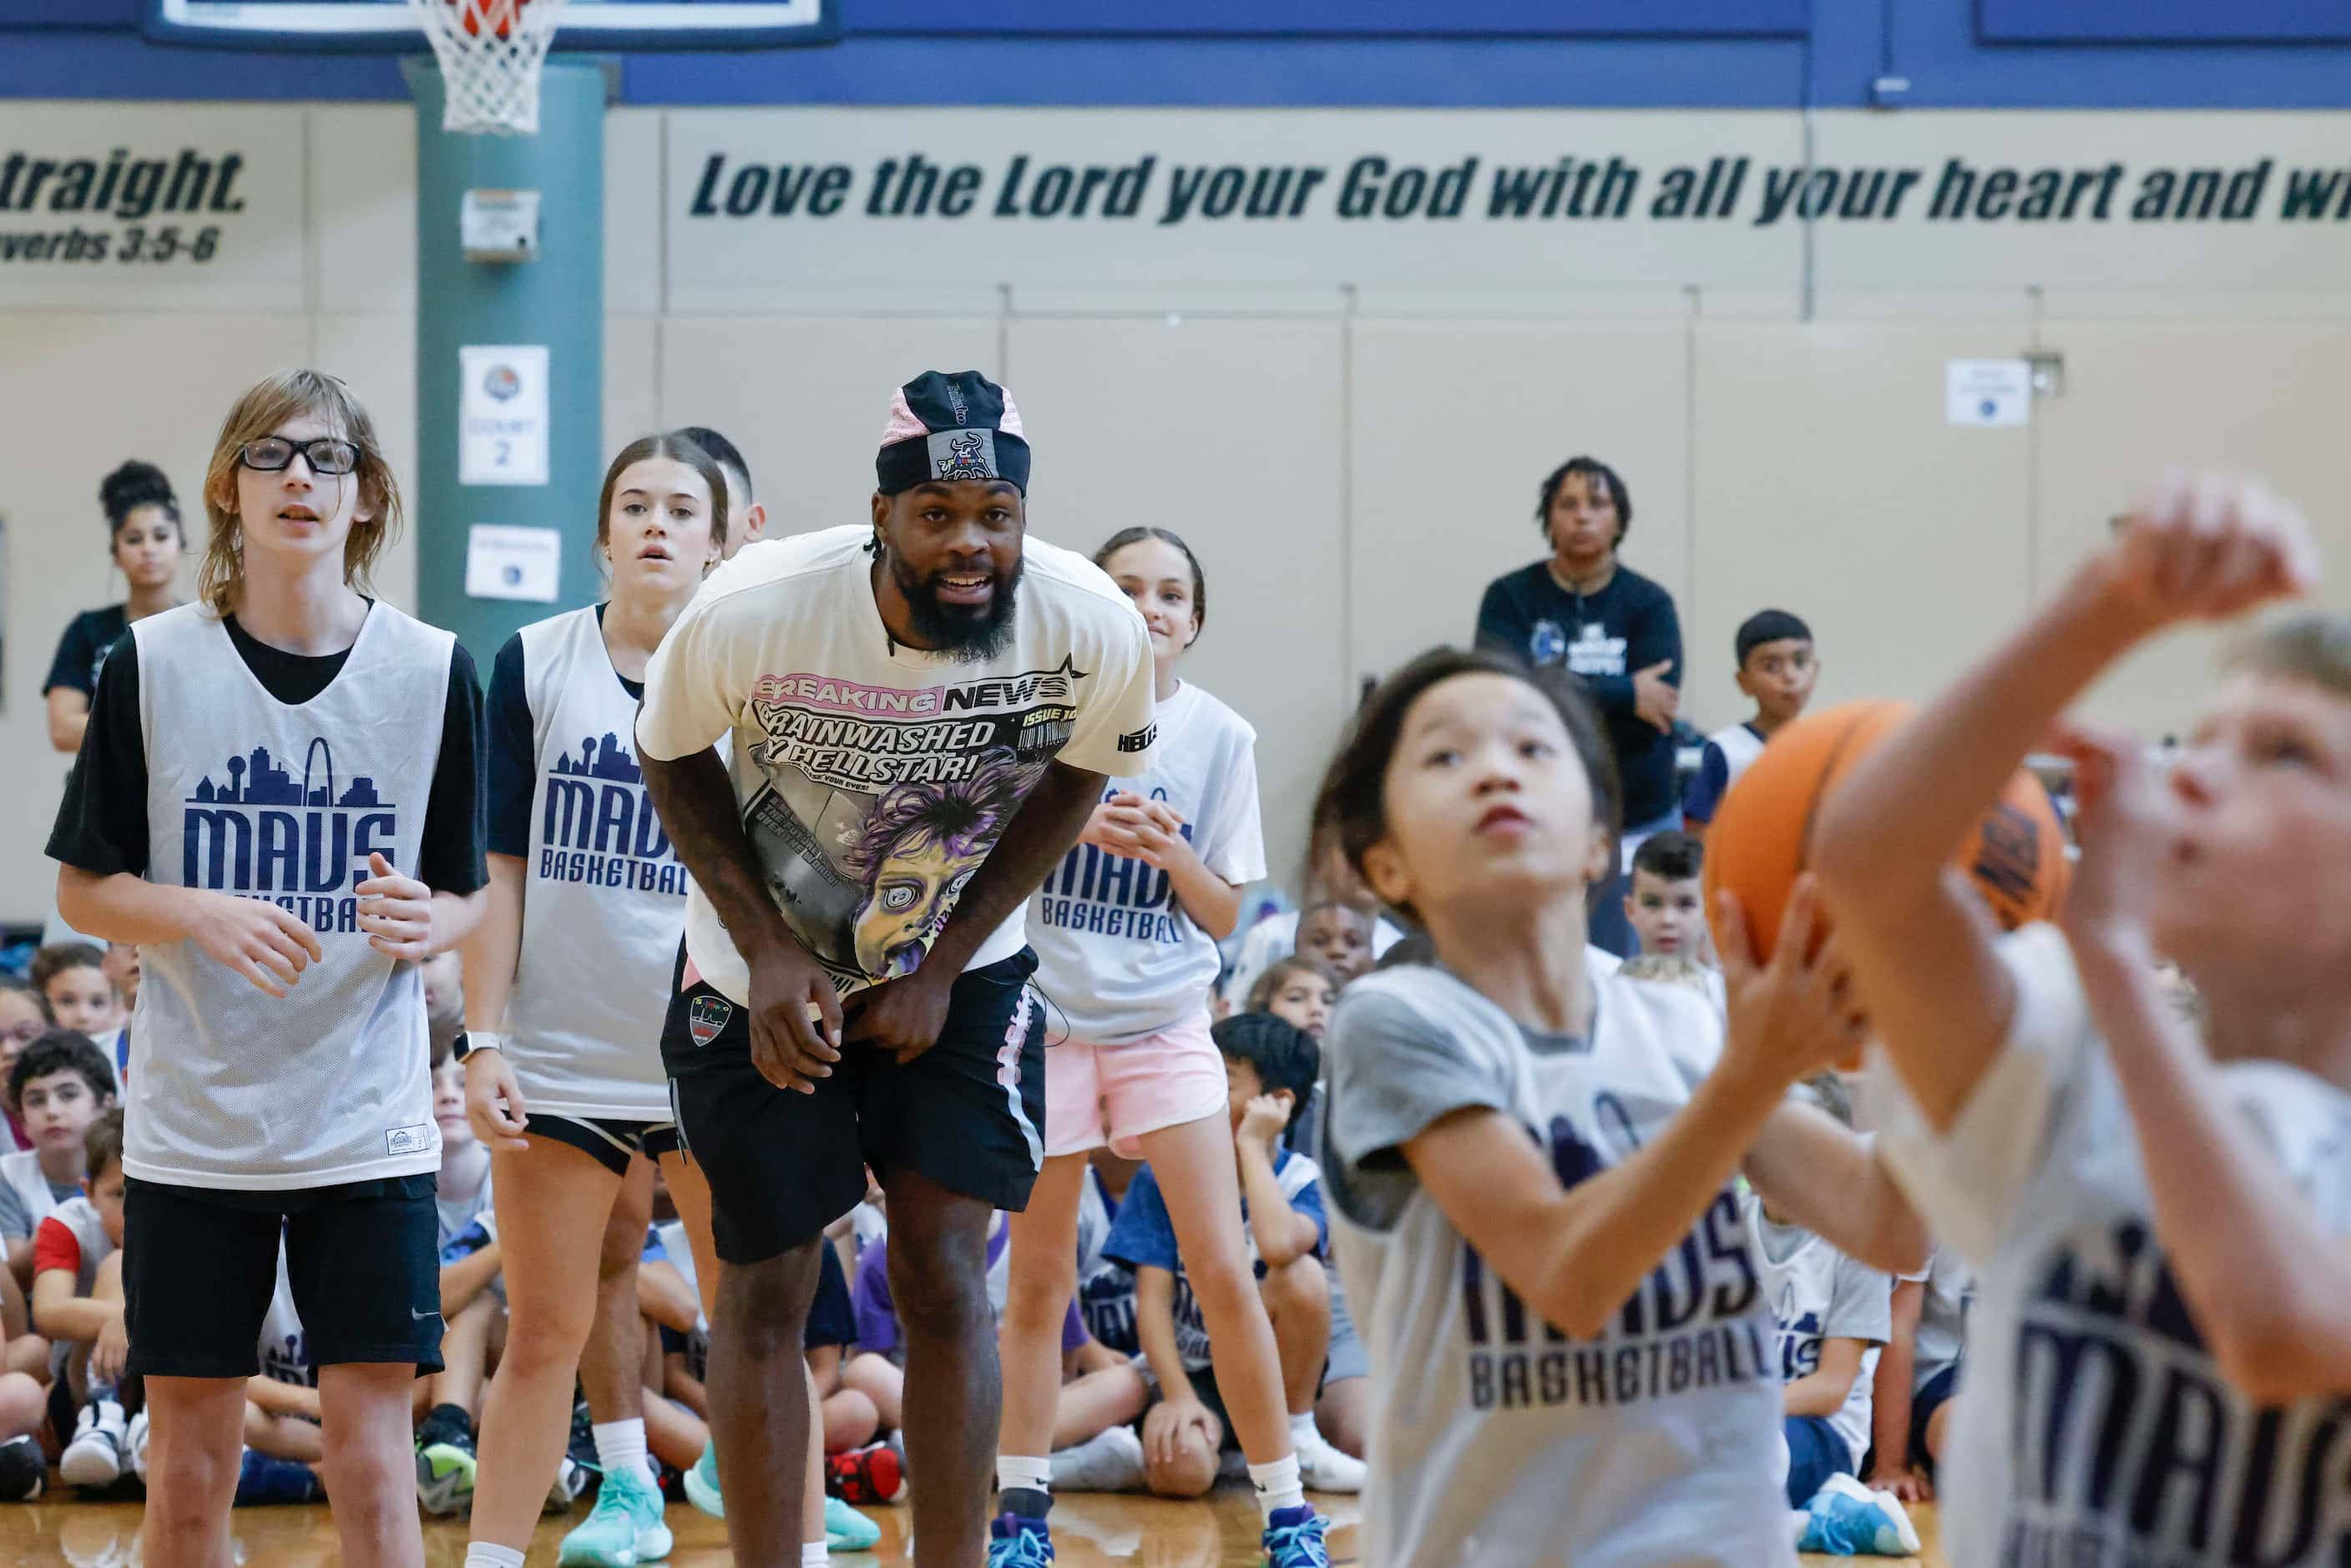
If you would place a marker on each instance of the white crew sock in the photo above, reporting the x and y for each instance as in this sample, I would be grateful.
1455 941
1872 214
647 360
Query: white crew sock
619 1443
814 1553
1276 1486
483 1554
1013 1470
1303 1430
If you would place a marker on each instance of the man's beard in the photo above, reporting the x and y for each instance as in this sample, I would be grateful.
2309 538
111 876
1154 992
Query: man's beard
973 635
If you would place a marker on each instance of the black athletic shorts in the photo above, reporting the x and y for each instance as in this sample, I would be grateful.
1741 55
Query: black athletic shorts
612 1145
200 1264
968 1114
1936 1394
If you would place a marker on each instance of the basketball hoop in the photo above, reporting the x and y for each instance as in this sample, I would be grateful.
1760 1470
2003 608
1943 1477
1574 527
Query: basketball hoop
490 53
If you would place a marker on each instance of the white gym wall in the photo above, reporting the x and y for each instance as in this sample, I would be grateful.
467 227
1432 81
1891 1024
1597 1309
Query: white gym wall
1353 457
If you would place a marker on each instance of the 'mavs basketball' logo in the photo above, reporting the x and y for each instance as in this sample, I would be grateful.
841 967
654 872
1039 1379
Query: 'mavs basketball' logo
2131 1449
597 824
1690 1325
1800 1337
302 846
1113 895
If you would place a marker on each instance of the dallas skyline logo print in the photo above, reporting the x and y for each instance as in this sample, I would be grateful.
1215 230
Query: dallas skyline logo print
300 844
597 825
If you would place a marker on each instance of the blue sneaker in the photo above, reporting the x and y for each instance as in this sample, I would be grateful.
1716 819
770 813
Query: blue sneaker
261 1479
1293 1539
702 1484
625 1527
1017 1542
1846 1518
846 1530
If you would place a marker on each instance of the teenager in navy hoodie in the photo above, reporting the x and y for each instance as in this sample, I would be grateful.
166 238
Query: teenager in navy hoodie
1616 630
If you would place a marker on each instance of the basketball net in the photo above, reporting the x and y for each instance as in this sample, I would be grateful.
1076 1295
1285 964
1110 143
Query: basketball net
490 53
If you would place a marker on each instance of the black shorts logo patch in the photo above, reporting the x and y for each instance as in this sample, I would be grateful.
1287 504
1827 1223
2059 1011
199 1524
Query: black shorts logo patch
708 1017
1139 739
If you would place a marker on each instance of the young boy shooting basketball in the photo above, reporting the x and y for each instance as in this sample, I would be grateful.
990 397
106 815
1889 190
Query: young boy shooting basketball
2160 1347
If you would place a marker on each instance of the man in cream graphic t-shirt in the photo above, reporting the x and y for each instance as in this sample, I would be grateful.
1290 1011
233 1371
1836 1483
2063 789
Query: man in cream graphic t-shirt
923 712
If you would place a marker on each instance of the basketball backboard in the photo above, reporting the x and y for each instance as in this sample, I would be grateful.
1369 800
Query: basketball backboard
390 25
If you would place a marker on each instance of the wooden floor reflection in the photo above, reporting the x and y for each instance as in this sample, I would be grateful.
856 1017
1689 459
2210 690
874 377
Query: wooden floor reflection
1089 1531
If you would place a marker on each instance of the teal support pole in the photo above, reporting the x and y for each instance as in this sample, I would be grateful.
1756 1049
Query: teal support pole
555 298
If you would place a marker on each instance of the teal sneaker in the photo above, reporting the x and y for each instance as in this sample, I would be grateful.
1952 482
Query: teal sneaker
846 1530
1846 1519
1293 1539
1017 1542
625 1527
702 1484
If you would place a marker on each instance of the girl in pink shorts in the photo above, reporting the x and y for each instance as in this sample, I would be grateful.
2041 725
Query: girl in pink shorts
1126 931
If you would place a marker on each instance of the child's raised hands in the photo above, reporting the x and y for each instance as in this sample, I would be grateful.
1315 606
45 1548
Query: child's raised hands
2119 821
2206 547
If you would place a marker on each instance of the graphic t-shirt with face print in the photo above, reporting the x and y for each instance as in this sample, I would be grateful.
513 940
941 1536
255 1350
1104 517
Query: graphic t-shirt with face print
873 778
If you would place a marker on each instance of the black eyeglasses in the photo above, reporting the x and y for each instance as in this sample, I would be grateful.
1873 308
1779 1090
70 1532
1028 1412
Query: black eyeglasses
326 455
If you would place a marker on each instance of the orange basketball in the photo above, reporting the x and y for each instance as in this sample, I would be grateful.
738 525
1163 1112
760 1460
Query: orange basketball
1761 839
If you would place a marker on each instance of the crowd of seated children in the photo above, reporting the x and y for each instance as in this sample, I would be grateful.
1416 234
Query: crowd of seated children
472 1304
60 1084
283 1442
1835 1315
1917 1389
676 1430
862 1389
24 1018
1277 936
76 1297
1270 1067
72 980
1665 901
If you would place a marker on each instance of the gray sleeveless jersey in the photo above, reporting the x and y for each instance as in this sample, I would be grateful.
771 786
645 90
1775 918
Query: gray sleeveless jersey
252 797
1498 1439
604 892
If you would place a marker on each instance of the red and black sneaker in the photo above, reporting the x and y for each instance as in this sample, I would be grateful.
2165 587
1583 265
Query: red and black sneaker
866 1477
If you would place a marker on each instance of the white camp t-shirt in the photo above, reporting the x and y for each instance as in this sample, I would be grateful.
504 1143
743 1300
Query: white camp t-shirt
873 778
1941 1341
1818 1293
1105 1286
29 1185
1115 951
1495 1437
2097 1427
604 892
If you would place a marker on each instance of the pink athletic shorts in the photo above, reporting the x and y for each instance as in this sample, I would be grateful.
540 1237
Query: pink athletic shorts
1097 1094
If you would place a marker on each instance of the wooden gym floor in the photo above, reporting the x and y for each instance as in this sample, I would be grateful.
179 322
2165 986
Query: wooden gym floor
1089 1531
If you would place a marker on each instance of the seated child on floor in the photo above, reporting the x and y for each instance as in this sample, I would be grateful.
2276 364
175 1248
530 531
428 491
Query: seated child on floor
1270 1066
61 1084
1835 1315
77 1303
473 1301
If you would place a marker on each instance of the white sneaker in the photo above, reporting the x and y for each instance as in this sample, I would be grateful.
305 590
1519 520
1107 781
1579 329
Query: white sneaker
94 1457
135 1443
1321 1468
1110 1460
